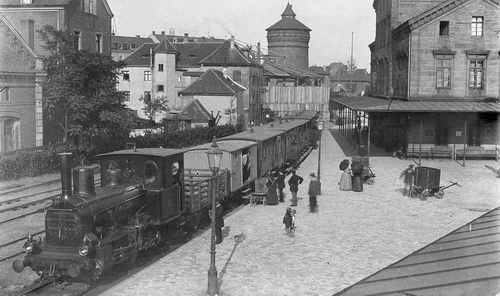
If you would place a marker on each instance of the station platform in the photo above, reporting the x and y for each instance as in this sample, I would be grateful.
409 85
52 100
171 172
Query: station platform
350 237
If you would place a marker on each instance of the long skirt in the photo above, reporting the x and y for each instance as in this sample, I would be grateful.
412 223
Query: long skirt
345 182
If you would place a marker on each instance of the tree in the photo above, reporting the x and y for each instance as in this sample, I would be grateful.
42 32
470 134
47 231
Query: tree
80 95
214 120
351 65
154 105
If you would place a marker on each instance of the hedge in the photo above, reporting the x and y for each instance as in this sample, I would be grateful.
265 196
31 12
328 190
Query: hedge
28 163
42 160
185 138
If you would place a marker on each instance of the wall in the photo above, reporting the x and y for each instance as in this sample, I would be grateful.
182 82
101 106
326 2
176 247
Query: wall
426 39
136 86
288 100
220 103
167 78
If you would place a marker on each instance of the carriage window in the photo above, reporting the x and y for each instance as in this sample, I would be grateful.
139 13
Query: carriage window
151 172
175 173
103 222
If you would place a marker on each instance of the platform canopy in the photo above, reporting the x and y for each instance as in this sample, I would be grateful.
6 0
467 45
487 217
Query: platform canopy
464 262
370 104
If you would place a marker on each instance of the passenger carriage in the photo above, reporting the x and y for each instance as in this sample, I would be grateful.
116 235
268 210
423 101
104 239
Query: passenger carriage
239 158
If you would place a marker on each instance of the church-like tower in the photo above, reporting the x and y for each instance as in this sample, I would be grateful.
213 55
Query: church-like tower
288 39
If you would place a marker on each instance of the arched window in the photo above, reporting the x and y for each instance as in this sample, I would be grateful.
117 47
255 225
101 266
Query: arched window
10 134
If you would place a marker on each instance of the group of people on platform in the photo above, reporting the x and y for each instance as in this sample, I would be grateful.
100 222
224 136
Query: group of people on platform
353 176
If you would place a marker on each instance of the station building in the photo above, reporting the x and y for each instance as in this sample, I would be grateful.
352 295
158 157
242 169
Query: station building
435 78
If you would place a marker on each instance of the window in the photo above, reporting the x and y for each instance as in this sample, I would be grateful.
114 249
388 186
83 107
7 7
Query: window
443 73
125 46
10 136
160 67
476 73
133 45
4 95
477 25
98 43
160 88
116 45
147 75
126 96
90 6
237 75
444 28
126 75
77 40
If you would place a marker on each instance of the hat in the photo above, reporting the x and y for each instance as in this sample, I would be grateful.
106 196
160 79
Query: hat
312 175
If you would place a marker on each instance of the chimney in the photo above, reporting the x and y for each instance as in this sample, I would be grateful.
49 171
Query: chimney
66 189
186 35
154 33
231 40
163 32
138 36
83 181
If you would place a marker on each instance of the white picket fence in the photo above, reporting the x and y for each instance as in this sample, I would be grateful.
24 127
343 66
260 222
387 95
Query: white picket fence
288 100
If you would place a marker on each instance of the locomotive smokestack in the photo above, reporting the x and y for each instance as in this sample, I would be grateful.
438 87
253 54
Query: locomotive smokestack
66 175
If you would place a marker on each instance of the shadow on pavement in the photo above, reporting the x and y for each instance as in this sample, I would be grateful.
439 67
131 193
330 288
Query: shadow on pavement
239 238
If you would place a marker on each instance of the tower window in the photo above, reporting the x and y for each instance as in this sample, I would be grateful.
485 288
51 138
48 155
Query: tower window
98 43
160 67
444 28
76 40
160 88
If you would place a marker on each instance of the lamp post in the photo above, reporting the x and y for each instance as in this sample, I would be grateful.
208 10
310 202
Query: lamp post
320 128
214 163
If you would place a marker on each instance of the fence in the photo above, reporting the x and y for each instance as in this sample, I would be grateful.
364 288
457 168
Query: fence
288 100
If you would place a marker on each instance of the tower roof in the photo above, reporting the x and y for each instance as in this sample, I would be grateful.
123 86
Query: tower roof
288 11
288 21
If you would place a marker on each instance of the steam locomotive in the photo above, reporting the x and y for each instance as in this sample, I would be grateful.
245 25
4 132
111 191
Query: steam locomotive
148 194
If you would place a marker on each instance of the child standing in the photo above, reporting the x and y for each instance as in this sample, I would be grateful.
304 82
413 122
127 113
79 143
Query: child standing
288 220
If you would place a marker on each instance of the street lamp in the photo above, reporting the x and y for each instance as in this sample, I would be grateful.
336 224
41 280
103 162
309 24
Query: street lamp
214 163
320 128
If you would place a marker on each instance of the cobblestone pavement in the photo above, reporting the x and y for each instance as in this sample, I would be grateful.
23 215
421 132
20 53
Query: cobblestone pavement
352 235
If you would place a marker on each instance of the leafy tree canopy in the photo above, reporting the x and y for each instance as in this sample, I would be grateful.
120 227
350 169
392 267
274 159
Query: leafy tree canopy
80 94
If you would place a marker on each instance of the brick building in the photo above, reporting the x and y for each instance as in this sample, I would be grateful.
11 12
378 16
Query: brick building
437 65
21 50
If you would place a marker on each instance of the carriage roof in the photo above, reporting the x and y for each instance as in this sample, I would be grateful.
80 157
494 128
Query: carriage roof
285 126
226 145
258 134
148 152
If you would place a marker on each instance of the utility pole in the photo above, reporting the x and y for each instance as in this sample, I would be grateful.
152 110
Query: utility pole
351 65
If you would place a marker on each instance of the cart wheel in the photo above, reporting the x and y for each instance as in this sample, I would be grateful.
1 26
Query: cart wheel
439 194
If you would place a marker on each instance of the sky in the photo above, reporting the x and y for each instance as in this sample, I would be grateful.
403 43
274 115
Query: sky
332 22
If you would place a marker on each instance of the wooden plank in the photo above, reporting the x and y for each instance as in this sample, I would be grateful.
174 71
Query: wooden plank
460 244
426 281
449 255
436 267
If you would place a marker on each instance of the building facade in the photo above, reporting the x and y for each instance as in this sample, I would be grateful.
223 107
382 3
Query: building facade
435 77
21 52
288 40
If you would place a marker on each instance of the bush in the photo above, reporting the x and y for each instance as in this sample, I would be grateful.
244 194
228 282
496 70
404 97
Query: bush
28 163
185 138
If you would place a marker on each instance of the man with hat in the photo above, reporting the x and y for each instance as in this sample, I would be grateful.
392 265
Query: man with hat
408 176
313 192
294 182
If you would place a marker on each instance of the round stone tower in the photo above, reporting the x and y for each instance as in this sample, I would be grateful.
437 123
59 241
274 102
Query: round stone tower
288 40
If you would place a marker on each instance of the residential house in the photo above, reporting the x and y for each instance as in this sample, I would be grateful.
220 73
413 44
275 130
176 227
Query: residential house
219 94
123 46
436 64
21 51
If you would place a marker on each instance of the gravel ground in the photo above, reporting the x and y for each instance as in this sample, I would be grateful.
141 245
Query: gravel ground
352 236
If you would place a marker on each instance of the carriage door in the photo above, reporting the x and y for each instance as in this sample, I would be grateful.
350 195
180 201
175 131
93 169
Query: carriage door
171 195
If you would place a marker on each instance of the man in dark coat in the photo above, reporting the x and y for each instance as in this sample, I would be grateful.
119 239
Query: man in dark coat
219 223
408 176
294 182
272 196
280 182
313 193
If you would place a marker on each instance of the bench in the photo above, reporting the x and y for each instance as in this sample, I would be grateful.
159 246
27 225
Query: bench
477 152
415 151
441 151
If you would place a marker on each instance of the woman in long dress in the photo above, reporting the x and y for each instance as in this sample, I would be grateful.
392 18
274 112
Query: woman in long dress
345 183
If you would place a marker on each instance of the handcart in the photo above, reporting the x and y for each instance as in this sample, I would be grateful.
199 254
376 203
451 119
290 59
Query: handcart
427 183
367 174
